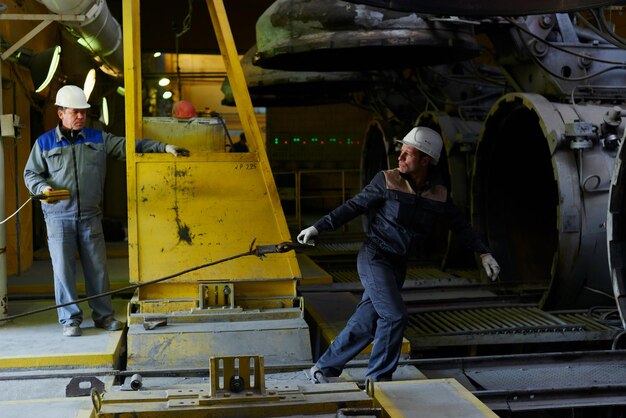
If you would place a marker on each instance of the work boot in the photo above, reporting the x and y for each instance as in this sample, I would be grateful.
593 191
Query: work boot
109 324
72 329
317 376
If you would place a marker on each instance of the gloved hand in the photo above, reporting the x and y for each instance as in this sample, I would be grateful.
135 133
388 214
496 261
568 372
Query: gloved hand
306 235
491 266
175 150
46 190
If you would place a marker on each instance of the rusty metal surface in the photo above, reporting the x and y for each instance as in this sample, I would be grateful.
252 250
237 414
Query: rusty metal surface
334 35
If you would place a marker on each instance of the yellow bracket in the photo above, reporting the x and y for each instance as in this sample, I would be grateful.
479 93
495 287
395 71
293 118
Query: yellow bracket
236 374
217 295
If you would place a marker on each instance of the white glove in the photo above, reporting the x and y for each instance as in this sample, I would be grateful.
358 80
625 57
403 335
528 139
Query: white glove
306 235
175 150
491 266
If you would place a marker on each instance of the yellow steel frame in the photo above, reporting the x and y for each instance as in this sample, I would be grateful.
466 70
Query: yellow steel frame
228 237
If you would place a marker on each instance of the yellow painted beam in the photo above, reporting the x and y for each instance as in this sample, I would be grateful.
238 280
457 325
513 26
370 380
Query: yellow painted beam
133 112
427 399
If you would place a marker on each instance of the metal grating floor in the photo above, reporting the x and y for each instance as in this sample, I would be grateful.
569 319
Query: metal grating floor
508 324
348 275
437 321
335 248
491 320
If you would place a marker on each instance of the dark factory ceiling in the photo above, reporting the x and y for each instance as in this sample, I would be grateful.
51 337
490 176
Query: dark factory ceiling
161 20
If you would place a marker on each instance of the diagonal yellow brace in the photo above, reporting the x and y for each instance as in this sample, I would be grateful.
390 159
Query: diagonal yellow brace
244 104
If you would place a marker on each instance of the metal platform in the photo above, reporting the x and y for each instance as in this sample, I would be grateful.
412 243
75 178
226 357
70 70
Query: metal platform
539 382
36 342
453 309
504 325
328 314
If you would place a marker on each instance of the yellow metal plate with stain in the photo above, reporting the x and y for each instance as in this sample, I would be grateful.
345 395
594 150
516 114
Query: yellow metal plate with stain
193 212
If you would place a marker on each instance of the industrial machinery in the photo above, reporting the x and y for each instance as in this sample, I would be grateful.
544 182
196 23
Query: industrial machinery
219 324
197 210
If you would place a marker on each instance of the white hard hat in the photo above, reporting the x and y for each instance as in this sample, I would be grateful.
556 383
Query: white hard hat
72 97
425 140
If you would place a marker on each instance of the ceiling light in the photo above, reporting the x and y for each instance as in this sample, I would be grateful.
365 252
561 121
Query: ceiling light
121 91
42 65
164 82
104 112
167 95
156 55
90 83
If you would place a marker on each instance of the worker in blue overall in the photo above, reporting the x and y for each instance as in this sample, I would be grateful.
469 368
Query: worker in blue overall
403 205
73 157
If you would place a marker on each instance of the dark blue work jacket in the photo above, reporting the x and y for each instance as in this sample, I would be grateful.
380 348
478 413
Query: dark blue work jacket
402 215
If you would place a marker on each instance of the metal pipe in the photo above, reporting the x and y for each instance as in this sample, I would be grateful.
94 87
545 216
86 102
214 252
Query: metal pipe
136 381
4 299
18 224
100 32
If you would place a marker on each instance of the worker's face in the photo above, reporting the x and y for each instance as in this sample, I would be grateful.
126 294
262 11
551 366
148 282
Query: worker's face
411 160
73 118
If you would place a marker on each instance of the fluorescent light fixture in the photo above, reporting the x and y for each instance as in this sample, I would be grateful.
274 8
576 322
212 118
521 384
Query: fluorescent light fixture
121 91
82 42
167 94
42 65
164 82
104 112
90 83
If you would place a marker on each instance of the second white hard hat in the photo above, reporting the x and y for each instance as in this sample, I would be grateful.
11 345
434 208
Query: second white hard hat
426 140
72 97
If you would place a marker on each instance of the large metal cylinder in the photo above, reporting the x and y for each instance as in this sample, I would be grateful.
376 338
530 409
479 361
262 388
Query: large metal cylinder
616 232
540 186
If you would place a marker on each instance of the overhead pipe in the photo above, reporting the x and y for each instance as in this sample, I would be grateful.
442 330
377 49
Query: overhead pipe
100 33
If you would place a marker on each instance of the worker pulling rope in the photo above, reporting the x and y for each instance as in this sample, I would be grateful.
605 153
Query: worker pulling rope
259 251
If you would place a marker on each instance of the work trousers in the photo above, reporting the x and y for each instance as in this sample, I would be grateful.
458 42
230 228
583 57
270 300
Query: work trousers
65 239
381 316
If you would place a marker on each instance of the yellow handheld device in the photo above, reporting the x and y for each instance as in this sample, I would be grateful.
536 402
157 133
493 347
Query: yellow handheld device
53 195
